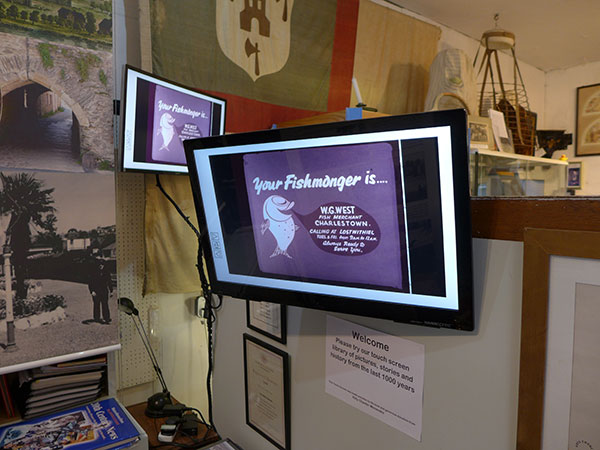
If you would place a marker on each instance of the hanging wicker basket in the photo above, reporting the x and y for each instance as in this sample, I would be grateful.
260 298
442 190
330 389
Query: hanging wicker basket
509 98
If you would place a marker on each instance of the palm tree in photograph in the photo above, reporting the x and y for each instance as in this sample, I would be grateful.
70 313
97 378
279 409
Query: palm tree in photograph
24 198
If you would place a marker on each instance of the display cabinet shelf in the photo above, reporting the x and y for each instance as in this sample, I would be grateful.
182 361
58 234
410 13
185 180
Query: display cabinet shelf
501 174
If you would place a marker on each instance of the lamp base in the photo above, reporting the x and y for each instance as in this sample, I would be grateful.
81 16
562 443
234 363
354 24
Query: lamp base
156 403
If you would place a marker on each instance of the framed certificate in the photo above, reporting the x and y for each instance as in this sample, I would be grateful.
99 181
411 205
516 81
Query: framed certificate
266 377
267 318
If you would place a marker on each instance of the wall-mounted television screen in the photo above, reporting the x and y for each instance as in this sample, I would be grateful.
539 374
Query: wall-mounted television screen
157 116
368 217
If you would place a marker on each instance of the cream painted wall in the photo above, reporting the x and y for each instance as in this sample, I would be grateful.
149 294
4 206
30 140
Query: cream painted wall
471 379
561 94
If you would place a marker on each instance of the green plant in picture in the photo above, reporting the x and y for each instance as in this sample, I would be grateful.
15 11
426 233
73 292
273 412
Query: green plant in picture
44 50
29 205
12 11
83 64
102 77
62 74
94 60
34 16
104 165
90 23
83 69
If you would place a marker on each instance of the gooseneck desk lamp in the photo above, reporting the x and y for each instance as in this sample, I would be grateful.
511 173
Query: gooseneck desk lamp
156 402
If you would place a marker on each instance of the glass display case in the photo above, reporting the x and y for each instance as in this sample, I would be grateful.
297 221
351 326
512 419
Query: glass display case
500 174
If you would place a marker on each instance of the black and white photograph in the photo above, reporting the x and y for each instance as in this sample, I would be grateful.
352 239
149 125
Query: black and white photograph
481 132
58 271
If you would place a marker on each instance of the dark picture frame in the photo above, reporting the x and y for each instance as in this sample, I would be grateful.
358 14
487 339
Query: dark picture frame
587 135
539 246
268 319
274 387
574 175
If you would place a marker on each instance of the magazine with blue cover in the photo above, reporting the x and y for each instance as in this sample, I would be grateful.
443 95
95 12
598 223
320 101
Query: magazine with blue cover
98 425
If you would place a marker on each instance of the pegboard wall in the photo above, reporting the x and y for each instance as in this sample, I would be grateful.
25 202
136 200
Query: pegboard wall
133 364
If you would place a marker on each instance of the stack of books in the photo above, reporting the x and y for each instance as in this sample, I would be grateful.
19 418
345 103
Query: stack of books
8 405
47 389
99 425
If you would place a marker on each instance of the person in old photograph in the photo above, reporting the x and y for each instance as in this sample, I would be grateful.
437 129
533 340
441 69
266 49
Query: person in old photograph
100 287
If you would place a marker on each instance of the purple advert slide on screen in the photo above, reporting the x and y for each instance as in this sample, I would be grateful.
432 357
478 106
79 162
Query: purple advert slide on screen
329 213
177 117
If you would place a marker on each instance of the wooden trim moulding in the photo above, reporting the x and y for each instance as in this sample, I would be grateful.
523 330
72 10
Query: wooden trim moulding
539 247
507 218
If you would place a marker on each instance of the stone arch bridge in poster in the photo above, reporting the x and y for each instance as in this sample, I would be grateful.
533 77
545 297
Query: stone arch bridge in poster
70 85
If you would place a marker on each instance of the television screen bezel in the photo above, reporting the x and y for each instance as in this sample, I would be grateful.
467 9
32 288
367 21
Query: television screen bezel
460 319
177 168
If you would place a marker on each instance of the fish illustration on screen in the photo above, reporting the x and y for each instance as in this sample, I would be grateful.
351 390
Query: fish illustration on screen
166 130
278 220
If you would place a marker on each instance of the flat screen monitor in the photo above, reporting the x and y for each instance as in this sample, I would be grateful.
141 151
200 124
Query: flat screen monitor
157 116
368 217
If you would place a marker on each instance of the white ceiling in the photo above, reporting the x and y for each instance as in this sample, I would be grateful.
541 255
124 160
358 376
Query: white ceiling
550 34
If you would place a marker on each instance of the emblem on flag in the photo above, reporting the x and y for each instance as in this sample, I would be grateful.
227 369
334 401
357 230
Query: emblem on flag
255 34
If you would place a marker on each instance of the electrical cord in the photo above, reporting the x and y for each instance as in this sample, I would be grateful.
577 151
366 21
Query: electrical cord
211 318
186 218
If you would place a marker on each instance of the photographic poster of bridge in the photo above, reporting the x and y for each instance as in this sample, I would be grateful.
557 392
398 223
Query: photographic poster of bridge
56 85
58 271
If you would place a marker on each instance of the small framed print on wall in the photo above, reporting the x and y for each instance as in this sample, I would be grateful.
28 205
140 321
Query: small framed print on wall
588 121
574 175
268 319
266 376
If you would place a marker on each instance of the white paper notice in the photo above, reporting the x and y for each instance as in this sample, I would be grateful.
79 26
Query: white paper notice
380 374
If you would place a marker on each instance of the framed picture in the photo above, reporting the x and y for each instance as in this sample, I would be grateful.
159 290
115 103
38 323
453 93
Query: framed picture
267 382
547 397
480 129
574 175
588 121
268 319
502 135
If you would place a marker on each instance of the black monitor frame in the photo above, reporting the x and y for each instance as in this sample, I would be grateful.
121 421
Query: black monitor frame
128 161
461 318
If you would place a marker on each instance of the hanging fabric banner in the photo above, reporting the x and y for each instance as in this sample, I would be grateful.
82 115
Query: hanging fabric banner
279 59
58 295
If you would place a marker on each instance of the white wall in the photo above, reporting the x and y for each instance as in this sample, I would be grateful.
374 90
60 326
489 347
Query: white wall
471 379
561 99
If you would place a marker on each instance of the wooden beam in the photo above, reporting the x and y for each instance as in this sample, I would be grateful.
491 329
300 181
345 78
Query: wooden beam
507 218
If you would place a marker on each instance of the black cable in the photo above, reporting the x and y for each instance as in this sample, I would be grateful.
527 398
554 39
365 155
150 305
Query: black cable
186 218
202 420
207 296
220 297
